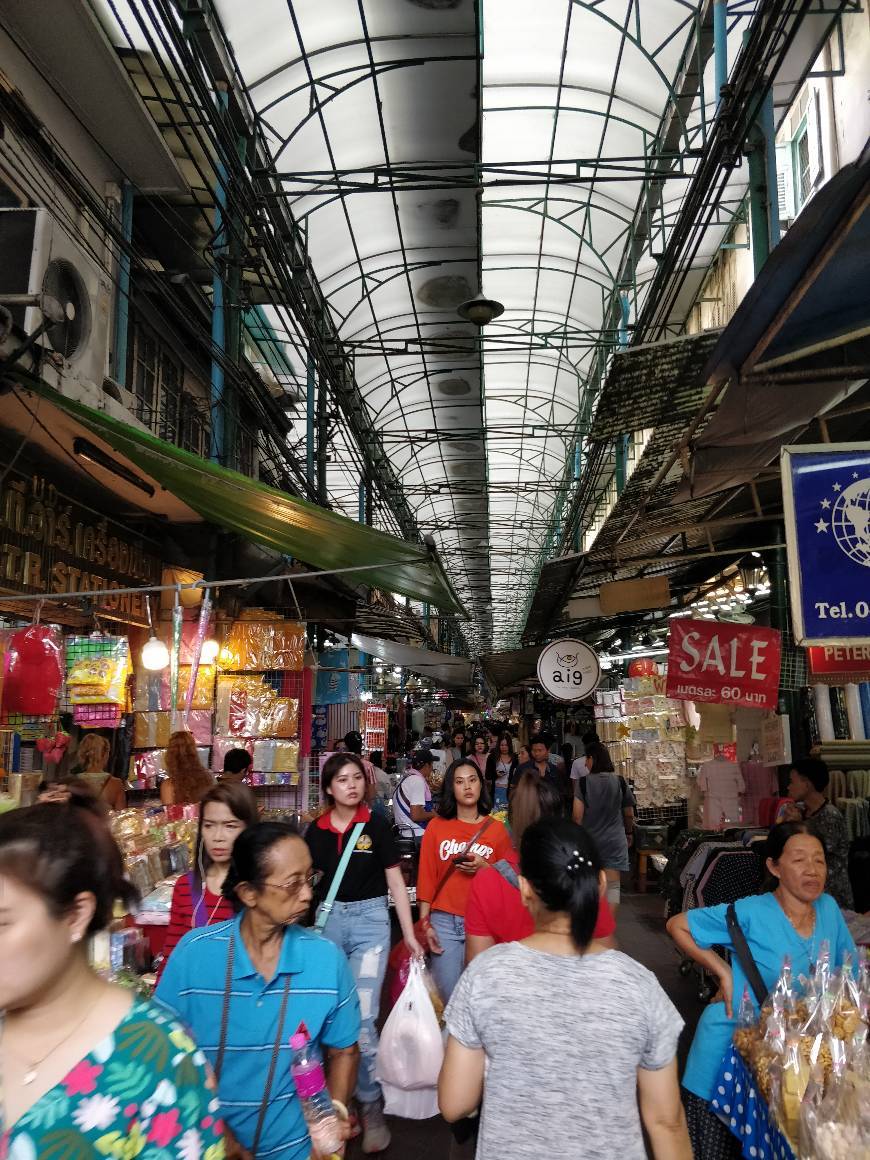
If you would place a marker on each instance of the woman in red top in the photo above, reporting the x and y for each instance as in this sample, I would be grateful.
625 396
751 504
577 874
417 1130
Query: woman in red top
224 812
457 843
495 912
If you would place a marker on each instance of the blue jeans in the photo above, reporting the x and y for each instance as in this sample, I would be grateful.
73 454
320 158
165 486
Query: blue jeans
447 967
362 931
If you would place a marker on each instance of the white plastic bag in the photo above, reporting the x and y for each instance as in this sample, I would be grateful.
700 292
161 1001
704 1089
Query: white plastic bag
411 1052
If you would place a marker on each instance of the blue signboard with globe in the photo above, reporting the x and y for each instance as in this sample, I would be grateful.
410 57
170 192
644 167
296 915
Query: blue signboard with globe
826 495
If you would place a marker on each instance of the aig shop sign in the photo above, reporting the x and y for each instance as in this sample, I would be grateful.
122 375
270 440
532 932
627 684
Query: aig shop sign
568 670
726 664
826 496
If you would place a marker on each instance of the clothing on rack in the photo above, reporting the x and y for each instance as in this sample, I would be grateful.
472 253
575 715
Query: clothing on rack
722 783
761 782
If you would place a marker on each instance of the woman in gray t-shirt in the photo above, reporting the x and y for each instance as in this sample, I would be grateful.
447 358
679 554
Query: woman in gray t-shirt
562 1078
604 806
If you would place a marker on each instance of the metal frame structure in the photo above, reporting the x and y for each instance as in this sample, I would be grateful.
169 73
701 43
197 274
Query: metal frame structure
579 160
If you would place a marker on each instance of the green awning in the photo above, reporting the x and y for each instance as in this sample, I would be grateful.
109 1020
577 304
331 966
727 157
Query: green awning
294 527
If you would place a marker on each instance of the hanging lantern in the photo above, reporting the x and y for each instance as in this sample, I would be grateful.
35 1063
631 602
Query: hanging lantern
643 667
155 655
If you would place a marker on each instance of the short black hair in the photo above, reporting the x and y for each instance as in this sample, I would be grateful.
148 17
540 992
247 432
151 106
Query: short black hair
447 807
250 858
539 739
353 740
237 761
814 770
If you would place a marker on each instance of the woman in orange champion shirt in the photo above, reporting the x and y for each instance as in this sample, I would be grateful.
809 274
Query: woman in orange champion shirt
458 841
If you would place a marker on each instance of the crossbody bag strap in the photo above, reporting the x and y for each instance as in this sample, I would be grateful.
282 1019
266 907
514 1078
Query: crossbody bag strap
452 867
744 955
325 908
406 805
276 1049
225 1013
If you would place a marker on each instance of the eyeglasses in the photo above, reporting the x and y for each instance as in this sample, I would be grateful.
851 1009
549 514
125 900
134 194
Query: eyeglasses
295 884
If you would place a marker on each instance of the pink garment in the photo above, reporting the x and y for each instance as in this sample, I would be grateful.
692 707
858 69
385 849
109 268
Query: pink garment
761 782
722 783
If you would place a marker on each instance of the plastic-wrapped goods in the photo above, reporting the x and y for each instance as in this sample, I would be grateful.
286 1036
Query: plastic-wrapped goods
795 1078
285 717
34 672
99 676
243 707
286 757
151 730
199 723
411 1052
258 642
203 687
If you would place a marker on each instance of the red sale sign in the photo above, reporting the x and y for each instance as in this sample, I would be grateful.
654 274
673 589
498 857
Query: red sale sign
730 664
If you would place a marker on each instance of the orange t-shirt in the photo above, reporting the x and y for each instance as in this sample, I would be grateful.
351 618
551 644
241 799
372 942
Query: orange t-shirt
443 840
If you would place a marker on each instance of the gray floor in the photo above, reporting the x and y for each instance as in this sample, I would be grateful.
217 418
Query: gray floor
641 934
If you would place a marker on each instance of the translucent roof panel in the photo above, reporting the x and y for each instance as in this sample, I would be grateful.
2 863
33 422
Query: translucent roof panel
431 149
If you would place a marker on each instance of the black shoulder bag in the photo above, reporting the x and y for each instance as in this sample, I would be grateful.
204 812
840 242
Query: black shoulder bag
744 956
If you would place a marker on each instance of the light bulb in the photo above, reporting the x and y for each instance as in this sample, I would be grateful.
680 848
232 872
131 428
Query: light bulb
155 655
209 653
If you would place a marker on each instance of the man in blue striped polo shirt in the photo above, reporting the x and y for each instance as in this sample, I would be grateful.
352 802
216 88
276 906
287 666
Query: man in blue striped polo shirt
245 987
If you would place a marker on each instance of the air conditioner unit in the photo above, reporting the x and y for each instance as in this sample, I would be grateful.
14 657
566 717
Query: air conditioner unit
41 258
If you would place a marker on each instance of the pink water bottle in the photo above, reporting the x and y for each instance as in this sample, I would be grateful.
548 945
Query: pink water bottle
310 1080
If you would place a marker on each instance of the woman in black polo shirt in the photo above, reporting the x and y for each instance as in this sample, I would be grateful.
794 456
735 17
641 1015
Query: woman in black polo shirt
359 921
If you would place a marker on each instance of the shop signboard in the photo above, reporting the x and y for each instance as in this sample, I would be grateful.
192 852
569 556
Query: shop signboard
849 662
826 498
568 670
50 543
730 664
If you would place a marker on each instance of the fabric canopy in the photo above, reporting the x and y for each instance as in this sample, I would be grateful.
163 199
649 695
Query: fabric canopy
282 522
454 672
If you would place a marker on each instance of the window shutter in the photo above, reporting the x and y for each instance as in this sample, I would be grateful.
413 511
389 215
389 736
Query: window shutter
785 182
814 139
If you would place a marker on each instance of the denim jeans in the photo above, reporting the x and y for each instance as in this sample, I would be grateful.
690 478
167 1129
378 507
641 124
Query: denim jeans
447 967
362 931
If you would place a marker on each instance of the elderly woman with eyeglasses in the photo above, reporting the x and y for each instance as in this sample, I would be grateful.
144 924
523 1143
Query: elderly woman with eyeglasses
244 987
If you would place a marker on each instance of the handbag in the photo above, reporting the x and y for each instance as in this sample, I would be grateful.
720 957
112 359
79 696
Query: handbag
400 955
744 955
325 908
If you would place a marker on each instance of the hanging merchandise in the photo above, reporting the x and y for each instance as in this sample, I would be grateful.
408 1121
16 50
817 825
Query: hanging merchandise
260 641
34 672
98 667
201 629
175 651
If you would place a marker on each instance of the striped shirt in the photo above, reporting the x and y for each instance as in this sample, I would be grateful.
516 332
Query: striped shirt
188 912
322 996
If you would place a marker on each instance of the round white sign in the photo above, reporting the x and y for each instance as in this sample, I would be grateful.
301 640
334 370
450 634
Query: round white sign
569 670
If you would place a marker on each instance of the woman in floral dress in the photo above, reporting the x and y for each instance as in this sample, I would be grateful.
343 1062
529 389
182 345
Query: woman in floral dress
86 1070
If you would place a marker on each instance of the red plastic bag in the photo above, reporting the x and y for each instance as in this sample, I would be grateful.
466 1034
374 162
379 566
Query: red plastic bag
399 965
35 672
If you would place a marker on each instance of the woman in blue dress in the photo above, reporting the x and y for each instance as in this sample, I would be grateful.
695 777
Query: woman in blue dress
792 919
